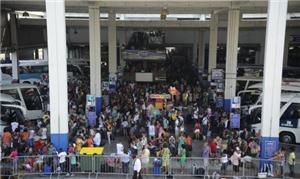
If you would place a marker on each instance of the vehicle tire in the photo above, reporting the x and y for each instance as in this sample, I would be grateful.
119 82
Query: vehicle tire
287 137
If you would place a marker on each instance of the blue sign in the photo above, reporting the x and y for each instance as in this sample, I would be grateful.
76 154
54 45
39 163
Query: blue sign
290 123
270 148
217 74
220 102
98 106
234 121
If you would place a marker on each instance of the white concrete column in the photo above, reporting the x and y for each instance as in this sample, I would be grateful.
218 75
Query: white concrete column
95 51
262 55
274 48
14 44
213 42
286 49
112 44
195 46
231 55
45 53
15 65
56 35
201 51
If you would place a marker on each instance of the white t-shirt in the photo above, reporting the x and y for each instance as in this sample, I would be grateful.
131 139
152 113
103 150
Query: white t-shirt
97 139
62 157
137 166
204 121
14 126
151 130
44 133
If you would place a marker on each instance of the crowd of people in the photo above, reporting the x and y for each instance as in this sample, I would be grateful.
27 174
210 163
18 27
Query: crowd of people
130 114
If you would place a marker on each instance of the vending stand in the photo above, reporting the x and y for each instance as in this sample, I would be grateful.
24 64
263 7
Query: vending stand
160 100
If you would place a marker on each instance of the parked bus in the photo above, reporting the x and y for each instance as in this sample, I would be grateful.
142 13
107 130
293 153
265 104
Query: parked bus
31 71
29 97
289 119
253 94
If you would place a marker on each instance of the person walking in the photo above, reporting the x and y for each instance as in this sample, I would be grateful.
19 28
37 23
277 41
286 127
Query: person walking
62 160
292 161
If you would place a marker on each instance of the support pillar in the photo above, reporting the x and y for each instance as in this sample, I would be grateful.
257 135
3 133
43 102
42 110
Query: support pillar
195 46
286 49
274 48
213 42
45 53
56 35
95 51
15 65
112 44
14 41
201 51
231 56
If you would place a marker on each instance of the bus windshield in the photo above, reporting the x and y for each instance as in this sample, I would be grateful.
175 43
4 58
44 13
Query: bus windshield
10 114
249 98
31 98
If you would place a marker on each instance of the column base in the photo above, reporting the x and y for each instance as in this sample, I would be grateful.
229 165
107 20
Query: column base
227 105
268 148
60 141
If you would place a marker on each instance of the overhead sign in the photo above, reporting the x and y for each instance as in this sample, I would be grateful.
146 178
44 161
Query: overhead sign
144 55
217 74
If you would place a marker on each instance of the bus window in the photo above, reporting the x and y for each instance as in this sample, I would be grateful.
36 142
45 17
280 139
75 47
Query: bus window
31 98
292 112
248 98
12 92
255 116
10 114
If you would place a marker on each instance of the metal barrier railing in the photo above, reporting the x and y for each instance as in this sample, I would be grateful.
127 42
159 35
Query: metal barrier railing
107 165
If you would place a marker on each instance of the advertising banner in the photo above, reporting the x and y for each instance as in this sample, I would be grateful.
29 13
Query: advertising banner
234 120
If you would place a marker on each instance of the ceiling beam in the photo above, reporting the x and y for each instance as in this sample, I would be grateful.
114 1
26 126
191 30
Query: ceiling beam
156 24
152 6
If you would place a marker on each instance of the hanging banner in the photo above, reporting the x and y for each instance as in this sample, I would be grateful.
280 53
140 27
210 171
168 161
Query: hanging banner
220 102
217 74
234 120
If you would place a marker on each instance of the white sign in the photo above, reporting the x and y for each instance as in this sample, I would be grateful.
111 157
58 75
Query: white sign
90 100
236 102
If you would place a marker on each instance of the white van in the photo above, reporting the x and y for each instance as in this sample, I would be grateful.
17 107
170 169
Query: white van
29 97
289 130
11 110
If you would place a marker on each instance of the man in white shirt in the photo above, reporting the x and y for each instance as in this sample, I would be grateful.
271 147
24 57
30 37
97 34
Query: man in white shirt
14 126
125 159
62 160
97 139
137 166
